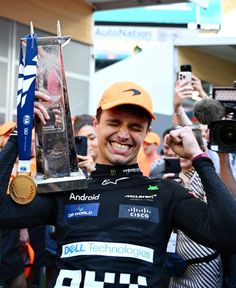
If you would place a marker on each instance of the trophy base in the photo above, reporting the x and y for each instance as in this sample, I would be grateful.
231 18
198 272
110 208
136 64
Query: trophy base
76 181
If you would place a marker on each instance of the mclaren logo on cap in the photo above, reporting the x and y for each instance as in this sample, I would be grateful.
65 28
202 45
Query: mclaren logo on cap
135 91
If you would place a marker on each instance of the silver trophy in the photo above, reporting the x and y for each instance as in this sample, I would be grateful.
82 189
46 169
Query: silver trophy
57 168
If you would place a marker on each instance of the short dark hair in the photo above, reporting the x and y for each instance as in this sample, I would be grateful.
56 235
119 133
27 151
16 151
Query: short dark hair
82 120
129 108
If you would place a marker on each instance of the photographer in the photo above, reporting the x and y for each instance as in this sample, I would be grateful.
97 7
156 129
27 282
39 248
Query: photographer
184 89
157 166
83 126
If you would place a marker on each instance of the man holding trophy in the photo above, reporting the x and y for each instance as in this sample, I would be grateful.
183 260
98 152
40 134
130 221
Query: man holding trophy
41 68
114 233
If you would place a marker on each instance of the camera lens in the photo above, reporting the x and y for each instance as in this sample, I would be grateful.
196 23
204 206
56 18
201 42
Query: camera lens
227 134
186 68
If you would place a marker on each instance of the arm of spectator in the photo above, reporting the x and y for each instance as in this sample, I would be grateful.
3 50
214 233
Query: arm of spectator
197 86
226 173
183 89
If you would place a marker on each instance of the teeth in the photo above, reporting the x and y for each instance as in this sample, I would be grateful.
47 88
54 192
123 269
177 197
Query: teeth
120 146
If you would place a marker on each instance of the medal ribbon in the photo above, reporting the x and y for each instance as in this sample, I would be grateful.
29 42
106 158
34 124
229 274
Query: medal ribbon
25 101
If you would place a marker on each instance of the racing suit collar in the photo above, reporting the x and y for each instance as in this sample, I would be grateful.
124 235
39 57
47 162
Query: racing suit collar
102 170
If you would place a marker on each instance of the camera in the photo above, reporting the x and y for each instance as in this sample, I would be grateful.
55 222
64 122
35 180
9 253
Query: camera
223 132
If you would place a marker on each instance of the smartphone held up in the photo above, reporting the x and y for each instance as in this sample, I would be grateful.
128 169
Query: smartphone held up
172 165
185 73
81 145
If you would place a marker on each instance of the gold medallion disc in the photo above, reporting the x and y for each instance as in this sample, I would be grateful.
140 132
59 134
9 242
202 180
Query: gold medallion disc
22 189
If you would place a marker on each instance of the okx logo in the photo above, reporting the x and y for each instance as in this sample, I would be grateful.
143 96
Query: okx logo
73 278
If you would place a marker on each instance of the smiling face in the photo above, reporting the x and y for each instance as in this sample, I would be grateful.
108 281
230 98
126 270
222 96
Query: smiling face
120 134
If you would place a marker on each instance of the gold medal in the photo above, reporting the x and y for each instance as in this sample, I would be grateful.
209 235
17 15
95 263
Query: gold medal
22 189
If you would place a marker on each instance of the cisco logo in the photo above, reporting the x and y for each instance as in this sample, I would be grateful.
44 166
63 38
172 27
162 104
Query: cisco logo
139 212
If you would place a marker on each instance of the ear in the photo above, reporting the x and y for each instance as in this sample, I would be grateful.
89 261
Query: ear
95 122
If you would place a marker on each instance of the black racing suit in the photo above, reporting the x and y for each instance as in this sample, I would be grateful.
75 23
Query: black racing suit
115 233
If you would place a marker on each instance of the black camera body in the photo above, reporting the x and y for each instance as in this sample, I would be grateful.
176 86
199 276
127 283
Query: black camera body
223 132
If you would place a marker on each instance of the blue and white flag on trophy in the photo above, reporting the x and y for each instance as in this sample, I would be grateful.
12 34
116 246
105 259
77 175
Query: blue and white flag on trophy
25 100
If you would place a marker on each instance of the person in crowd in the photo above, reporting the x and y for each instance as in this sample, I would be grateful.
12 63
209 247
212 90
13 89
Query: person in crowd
35 237
184 89
227 173
157 167
83 126
148 152
11 261
117 233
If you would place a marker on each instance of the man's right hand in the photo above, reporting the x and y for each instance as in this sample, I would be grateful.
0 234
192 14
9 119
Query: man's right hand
183 142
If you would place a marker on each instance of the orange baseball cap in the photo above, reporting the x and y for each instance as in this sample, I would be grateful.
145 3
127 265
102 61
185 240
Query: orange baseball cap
7 127
126 93
152 138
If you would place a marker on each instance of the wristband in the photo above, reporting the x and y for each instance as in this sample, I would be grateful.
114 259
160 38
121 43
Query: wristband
203 154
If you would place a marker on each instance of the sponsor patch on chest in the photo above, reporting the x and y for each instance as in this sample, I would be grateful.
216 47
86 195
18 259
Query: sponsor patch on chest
139 212
84 197
107 249
81 210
